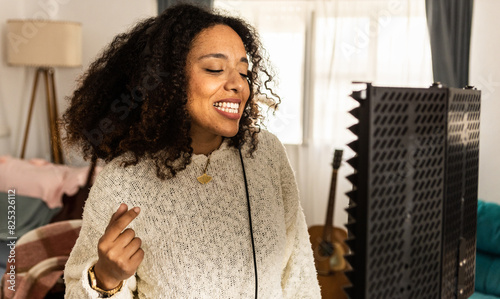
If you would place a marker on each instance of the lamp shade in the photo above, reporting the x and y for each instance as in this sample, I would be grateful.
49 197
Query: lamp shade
44 43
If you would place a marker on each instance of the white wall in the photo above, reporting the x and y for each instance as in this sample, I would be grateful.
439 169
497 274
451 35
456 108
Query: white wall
10 90
101 21
485 74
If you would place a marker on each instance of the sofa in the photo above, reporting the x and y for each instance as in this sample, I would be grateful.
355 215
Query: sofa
487 284
44 200
37 192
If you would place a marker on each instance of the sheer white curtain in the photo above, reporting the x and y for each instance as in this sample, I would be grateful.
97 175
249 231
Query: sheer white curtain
318 48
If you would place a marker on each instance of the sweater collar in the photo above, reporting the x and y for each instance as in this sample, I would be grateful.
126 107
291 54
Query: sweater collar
217 152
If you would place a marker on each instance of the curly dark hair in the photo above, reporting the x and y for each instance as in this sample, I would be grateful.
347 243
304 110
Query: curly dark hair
133 97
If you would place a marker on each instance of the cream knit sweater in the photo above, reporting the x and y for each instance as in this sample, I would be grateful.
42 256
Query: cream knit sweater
196 238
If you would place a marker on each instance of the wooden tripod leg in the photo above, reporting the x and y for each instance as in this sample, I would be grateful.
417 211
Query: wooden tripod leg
52 116
60 156
33 93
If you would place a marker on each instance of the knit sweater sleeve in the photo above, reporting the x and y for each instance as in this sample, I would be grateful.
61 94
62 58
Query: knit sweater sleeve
299 278
104 199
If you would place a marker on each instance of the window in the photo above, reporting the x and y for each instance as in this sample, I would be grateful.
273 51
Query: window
319 47
282 30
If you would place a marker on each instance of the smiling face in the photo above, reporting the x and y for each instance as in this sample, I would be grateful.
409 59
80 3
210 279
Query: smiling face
218 89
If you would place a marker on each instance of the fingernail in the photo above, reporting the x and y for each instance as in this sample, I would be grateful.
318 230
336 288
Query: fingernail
137 210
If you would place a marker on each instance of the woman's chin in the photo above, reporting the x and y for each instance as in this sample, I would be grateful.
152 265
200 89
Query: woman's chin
230 135
230 132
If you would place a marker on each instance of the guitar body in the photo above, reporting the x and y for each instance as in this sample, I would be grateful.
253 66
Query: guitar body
332 282
328 258
329 248
332 286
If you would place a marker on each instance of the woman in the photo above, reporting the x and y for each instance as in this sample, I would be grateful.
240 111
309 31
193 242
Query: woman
214 209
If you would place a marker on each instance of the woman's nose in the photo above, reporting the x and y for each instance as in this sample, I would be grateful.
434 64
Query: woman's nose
236 81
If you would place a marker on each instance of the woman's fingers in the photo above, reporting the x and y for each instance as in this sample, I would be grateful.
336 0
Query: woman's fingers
132 247
119 212
119 249
115 227
124 238
137 257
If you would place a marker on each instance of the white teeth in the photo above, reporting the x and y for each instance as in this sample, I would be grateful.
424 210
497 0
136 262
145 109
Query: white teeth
227 107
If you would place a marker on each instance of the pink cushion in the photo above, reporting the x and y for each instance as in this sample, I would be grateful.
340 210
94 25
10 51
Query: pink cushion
41 179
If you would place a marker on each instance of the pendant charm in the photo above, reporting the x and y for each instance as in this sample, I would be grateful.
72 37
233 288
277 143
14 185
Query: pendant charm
205 178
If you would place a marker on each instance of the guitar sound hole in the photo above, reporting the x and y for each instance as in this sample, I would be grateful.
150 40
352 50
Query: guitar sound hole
326 248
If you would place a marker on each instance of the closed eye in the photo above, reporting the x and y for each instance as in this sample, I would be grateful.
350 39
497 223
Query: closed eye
213 71
219 71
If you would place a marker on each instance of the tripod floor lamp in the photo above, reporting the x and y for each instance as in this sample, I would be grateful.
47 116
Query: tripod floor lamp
45 44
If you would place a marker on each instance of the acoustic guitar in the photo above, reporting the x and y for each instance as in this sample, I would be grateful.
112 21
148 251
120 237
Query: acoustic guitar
329 247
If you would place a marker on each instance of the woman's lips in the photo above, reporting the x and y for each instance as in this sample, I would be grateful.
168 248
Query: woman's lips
228 108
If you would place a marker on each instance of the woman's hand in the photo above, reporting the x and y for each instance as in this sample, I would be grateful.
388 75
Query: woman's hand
119 250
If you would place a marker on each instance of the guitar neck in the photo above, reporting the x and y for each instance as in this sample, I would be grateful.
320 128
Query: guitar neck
327 233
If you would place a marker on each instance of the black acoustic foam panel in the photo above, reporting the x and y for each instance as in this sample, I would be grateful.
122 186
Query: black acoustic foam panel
412 211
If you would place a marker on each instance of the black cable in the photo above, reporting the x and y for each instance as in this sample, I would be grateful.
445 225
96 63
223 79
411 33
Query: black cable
250 220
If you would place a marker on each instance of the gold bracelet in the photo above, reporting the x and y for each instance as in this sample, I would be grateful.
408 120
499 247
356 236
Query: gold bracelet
93 285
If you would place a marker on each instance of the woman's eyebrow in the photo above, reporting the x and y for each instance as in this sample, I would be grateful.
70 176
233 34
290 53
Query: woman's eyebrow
222 56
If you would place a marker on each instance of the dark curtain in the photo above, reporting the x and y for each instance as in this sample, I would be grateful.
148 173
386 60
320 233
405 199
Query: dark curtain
449 23
164 4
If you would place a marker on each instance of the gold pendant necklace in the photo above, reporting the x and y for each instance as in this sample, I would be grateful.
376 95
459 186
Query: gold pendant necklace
205 178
